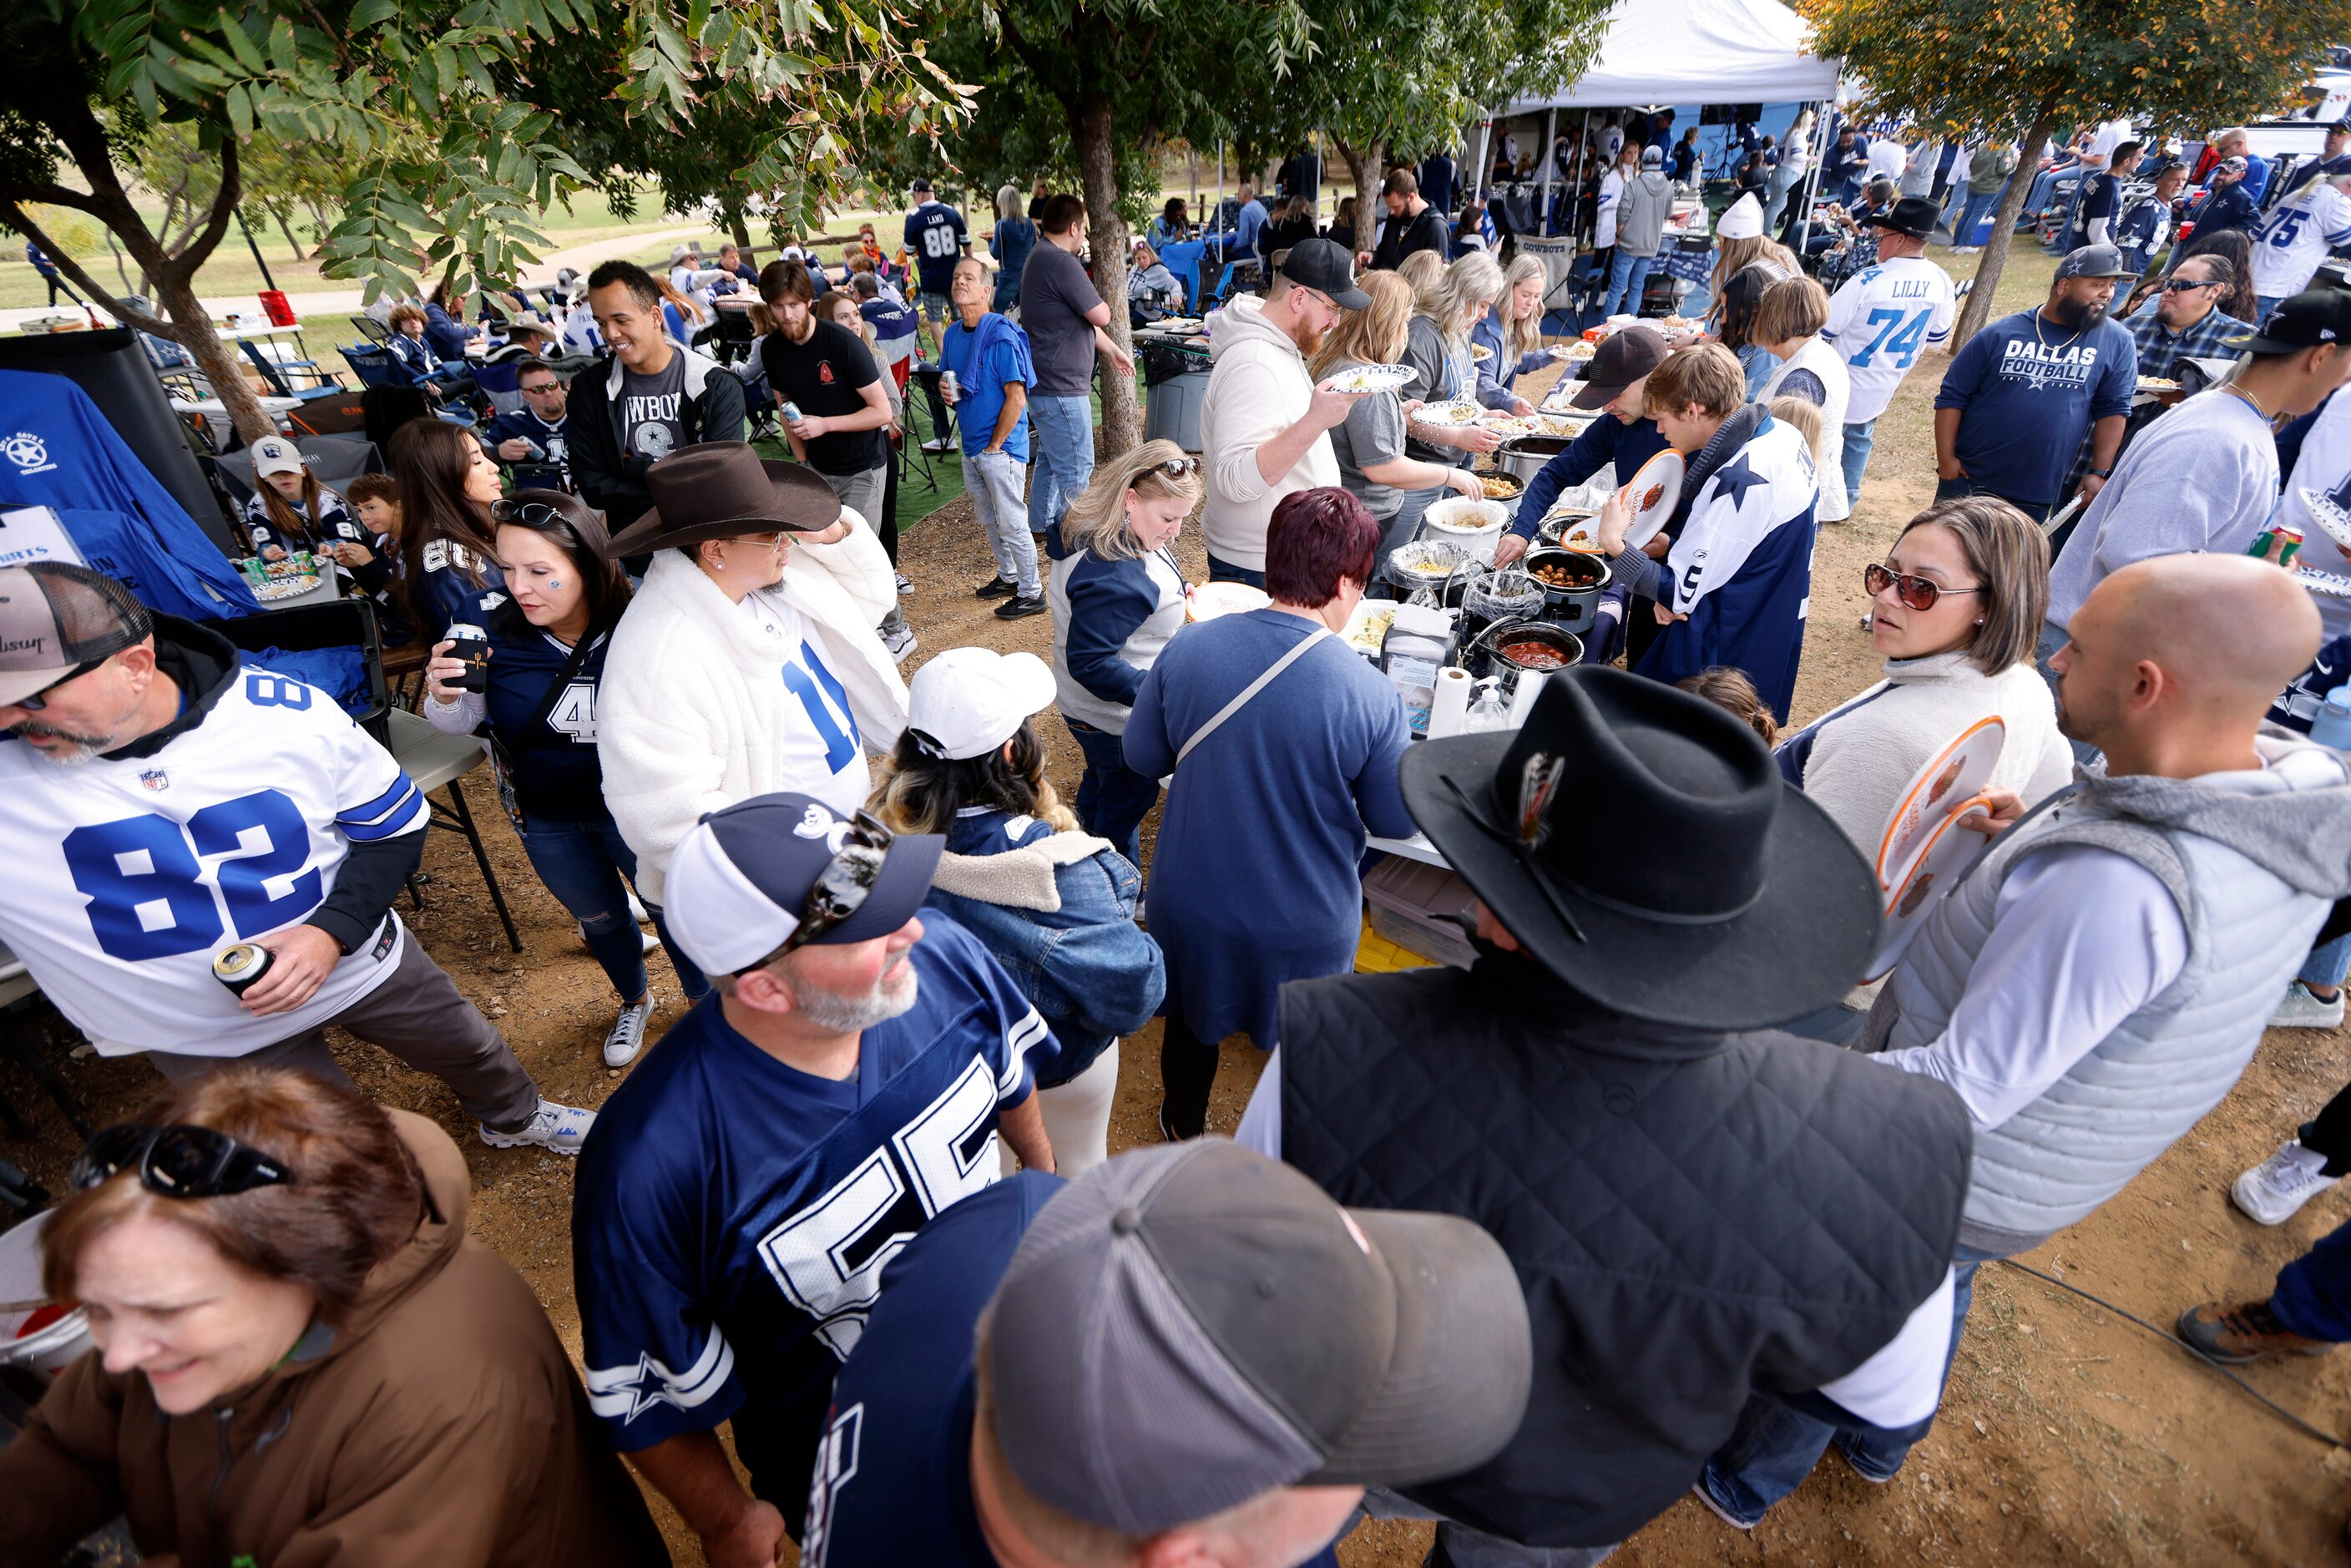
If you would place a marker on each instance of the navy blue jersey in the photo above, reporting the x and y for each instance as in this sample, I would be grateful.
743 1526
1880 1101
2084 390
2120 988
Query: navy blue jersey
550 763
732 1215
892 1482
936 237
550 468
456 585
333 525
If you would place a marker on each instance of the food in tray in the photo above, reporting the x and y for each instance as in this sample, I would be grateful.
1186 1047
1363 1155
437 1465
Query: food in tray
1506 425
1501 486
1678 321
279 587
2157 385
1533 656
1551 574
1368 637
1480 353
1374 378
1575 353
1460 411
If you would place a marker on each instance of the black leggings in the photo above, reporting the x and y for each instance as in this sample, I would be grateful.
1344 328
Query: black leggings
1187 1070
885 526
2328 1133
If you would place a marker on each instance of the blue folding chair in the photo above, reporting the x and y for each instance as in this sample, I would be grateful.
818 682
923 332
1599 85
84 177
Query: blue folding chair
1183 259
273 371
375 367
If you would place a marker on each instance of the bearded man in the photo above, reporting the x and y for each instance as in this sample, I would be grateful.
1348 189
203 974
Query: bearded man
1265 425
847 1079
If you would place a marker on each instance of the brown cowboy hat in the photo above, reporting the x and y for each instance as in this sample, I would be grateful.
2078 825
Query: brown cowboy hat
723 490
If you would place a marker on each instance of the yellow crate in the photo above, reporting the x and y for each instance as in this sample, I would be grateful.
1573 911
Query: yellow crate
1376 955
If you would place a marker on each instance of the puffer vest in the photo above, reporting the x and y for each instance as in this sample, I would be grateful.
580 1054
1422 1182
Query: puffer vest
1692 1215
2160 1070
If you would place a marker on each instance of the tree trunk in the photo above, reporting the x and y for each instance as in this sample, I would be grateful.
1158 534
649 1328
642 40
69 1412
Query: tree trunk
738 228
1093 134
119 271
1979 307
222 366
1363 169
287 230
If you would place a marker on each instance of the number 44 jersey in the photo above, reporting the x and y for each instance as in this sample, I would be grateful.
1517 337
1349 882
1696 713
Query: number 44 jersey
734 1216
126 875
1881 320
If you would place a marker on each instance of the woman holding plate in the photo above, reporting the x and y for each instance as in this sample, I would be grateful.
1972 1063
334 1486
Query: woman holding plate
1512 336
1436 345
1370 444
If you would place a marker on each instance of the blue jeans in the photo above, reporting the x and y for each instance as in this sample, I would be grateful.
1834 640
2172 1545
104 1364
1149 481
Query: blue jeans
1113 798
2263 304
582 864
1061 457
1979 204
2327 964
2312 1297
1857 440
1225 571
1775 1447
1627 276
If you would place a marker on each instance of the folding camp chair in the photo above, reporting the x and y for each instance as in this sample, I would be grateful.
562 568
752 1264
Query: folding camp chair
273 371
373 331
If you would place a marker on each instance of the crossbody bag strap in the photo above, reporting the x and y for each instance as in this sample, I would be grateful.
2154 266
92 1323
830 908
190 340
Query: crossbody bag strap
1249 690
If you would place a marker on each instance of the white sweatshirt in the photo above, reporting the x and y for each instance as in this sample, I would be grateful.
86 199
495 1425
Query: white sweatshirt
1257 387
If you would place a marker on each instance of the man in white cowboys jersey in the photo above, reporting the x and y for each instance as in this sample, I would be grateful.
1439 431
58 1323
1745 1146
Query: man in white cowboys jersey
1882 319
161 800
762 1166
2290 243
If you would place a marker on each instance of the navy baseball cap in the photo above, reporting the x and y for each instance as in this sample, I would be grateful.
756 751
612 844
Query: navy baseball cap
2092 261
739 881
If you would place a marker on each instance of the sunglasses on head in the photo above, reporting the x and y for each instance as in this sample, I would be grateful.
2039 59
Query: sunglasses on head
177 1161
528 514
841 890
1915 592
1174 469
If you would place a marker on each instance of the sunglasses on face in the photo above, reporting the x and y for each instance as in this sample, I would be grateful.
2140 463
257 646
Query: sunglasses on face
2181 285
840 891
541 391
1914 592
177 1161
40 699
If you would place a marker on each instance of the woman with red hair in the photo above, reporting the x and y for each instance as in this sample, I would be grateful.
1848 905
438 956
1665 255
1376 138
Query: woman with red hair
1285 745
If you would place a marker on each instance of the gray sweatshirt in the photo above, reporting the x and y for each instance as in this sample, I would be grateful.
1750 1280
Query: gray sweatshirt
1641 221
2202 477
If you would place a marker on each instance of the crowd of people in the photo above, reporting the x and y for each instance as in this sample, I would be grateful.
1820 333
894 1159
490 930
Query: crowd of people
1697 1194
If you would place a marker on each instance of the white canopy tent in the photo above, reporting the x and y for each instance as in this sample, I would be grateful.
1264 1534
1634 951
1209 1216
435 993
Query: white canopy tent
1696 51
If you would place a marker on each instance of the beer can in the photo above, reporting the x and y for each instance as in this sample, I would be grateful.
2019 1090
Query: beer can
947 386
2270 535
239 964
791 411
471 645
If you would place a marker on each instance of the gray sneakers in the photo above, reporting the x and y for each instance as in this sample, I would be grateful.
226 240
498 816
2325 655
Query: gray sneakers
559 1129
2300 1009
628 1036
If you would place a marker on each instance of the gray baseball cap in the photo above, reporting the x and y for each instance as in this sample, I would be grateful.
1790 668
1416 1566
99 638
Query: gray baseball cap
1187 1327
57 620
2092 261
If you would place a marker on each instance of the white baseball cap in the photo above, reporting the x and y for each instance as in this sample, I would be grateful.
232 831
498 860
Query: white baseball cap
276 454
969 701
1743 219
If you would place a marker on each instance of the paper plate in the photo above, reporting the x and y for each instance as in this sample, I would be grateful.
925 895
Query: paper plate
2333 584
1949 850
1461 411
1374 378
1480 353
2330 517
1210 599
1935 793
1653 495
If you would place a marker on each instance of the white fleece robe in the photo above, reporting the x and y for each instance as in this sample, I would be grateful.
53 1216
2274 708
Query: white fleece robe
692 695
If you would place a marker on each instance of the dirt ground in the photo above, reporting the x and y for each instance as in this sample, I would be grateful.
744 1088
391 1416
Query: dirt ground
2068 1436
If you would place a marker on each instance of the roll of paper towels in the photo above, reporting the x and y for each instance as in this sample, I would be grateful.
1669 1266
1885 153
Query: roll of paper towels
1451 704
1523 698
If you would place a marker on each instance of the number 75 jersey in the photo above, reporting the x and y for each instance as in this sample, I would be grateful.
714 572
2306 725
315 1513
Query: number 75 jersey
1881 321
125 875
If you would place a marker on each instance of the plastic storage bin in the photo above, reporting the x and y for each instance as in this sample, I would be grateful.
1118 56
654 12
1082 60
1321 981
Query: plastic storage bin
1407 902
1172 409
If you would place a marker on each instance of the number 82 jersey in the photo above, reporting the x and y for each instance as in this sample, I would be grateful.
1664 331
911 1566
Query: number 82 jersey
126 875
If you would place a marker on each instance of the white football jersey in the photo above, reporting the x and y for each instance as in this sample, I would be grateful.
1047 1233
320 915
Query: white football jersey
2292 241
1881 321
125 876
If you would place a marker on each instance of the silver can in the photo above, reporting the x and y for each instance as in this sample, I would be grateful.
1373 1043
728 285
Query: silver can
949 389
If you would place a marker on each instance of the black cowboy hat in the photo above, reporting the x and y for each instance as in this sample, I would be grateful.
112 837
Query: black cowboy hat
723 490
1639 843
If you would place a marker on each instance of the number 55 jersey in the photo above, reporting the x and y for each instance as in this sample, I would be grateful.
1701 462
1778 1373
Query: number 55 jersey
127 873
733 1215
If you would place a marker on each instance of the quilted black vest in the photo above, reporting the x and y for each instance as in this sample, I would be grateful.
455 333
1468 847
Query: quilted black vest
1692 1215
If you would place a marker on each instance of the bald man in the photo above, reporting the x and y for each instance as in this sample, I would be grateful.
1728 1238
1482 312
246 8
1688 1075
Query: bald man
2095 983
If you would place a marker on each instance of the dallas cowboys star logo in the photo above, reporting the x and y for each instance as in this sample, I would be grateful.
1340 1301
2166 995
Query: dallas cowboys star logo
1735 478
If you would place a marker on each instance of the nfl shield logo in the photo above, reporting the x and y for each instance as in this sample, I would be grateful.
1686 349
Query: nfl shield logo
154 779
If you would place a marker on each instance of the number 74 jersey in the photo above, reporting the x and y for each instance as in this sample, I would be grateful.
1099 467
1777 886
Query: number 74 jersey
1880 322
125 875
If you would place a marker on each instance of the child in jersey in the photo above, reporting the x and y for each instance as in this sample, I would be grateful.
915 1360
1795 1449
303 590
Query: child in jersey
547 655
375 566
290 510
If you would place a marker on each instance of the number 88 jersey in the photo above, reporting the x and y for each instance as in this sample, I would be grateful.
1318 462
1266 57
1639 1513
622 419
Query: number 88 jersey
126 875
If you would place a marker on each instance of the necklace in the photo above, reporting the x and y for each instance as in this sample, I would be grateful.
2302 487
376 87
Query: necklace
2254 402
2037 337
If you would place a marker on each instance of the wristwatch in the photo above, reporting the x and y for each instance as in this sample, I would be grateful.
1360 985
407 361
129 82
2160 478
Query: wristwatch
2102 473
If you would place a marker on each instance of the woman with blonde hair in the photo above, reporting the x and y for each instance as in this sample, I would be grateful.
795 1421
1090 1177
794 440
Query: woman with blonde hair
1013 239
1788 325
1117 597
1370 442
1055 906
1511 335
1421 269
1438 347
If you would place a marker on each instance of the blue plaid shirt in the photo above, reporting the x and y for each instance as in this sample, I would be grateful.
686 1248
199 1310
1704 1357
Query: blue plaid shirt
2160 350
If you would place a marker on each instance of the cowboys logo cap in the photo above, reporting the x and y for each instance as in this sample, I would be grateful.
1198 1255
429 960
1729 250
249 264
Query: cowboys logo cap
2309 320
59 620
739 879
1187 1326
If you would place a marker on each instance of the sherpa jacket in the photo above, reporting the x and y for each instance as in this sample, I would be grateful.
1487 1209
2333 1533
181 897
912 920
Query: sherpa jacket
1257 387
443 1424
693 703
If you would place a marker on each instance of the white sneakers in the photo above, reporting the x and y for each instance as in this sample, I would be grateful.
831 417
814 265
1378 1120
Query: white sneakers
628 1036
900 644
559 1129
2274 1190
2300 1009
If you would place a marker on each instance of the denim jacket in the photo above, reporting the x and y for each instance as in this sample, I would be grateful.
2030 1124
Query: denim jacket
1057 912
